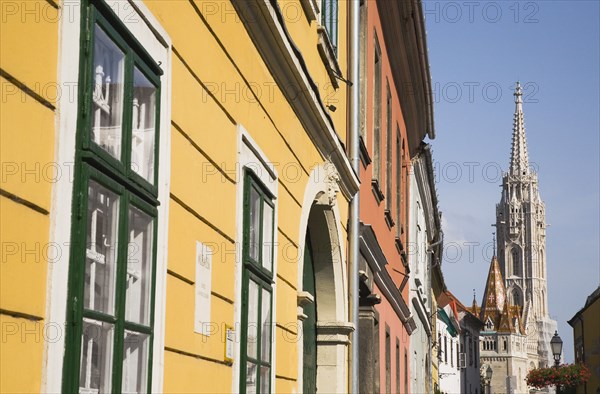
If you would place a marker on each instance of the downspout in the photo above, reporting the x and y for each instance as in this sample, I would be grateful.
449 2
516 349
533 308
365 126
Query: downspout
354 133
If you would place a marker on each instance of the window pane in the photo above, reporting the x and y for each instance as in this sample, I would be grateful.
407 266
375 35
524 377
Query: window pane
265 350
265 379
251 378
142 127
135 363
267 256
139 267
254 229
101 248
107 97
96 357
252 319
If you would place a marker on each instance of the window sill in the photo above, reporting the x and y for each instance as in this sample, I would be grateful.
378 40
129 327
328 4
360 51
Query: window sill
328 56
399 245
311 9
388 218
364 153
404 260
379 196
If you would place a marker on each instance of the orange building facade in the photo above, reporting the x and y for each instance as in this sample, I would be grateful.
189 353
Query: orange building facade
395 116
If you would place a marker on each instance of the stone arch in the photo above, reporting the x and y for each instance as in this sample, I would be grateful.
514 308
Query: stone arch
516 261
516 296
320 225
540 272
543 305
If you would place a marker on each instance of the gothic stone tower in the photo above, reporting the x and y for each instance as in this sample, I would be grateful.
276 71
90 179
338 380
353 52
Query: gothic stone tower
521 228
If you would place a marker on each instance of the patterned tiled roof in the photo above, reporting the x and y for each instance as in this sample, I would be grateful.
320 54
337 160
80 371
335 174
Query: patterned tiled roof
495 305
506 321
494 295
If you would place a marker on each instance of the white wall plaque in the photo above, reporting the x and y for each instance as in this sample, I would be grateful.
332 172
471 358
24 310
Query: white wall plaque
202 322
229 340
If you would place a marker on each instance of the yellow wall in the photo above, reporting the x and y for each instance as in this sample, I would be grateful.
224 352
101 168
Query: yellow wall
220 81
435 379
588 325
28 61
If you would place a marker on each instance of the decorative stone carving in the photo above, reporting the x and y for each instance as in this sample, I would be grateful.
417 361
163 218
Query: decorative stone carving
332 180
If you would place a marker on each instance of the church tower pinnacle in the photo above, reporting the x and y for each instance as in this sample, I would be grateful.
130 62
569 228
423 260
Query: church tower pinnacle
519 161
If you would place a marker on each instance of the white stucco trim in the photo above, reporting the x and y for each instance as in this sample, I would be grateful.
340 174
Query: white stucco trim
315 188
145 27
249 155
62 196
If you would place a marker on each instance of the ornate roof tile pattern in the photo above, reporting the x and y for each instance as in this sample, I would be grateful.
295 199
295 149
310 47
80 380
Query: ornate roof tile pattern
506 318
494 296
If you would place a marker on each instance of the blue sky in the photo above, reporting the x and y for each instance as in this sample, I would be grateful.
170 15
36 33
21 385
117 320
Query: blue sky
477 51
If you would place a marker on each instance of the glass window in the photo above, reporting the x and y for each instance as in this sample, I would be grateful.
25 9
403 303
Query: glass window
252 337
139 263
101 251
254 228
96 357
377 112
143 130
388 155
107 95
135 362
256 333
112 264
267 244
398 182
329 20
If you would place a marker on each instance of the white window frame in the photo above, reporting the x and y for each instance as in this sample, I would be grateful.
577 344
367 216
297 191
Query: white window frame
153 37
251 156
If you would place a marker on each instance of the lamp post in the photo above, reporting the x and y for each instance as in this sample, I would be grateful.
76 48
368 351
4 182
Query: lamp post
488 378
556 344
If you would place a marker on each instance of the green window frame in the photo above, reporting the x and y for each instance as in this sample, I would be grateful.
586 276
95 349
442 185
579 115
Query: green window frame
257 290
329 20
112 269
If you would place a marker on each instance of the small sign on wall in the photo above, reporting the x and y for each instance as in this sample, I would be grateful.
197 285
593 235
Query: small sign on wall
229 341
202 323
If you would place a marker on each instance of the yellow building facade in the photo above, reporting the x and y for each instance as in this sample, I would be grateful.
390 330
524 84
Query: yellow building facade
175 190
586 340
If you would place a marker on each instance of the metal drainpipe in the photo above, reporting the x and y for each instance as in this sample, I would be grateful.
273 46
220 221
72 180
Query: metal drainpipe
353 73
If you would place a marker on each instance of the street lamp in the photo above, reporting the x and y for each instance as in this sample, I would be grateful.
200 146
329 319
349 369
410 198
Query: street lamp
556 344
488 377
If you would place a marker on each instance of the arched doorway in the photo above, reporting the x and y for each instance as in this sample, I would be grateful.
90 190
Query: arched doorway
322 293
309 337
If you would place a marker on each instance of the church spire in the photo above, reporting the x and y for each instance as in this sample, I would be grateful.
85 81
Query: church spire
474 306
494 296
519 160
